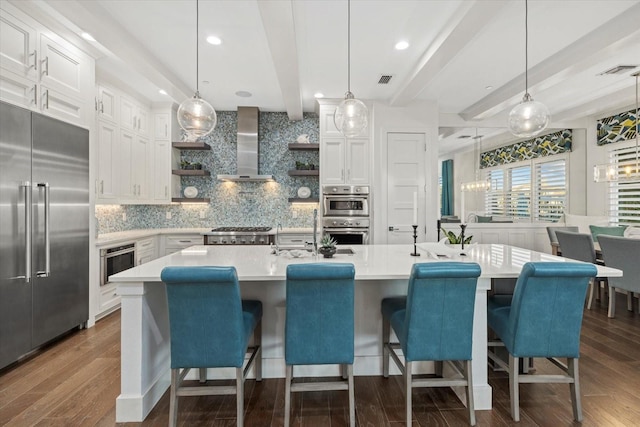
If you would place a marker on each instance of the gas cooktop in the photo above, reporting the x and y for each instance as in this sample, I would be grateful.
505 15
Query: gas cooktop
242 229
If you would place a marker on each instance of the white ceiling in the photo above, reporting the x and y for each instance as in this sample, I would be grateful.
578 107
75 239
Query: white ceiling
284 51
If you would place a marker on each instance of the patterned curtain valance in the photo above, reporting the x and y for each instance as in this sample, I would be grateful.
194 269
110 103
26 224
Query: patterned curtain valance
617 128
541 146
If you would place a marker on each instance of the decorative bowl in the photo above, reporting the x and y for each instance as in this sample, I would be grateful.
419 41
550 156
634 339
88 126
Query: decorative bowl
327 252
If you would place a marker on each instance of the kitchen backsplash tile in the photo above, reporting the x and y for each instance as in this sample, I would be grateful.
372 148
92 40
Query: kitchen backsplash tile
234 204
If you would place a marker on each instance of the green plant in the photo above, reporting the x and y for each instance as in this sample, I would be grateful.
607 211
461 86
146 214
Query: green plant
456 240
328 241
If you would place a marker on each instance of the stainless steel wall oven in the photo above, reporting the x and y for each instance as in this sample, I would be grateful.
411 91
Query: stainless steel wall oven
346 214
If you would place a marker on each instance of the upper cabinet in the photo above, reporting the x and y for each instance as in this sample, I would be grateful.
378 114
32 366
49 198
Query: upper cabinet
342 160
41 71
133 163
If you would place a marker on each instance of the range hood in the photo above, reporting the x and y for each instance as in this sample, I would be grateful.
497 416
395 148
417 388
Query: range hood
248 148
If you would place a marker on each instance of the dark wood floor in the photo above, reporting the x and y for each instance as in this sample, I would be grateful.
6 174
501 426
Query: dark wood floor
75 383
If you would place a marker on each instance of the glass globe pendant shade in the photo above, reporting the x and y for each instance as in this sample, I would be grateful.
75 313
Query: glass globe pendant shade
528 118
197 117
351 116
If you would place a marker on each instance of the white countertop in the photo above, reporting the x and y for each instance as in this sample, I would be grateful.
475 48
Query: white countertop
375 262
130 235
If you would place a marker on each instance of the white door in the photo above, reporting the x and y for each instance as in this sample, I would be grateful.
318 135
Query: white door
406 176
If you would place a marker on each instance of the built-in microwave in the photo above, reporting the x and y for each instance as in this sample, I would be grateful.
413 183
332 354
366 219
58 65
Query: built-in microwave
345 201
116 259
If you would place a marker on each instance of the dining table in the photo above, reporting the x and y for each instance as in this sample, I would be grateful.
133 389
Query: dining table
381 271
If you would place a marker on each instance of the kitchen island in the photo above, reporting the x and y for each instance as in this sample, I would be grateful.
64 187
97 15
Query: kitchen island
381 271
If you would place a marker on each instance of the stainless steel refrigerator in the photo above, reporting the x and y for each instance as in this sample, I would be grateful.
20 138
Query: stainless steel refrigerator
44 230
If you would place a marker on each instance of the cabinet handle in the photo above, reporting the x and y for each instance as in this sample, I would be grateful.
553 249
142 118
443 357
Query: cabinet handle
35 95
101 186
166 130
101 106
342 175
45 71
165 191
348 174
35 59
139 125
95 102
46 104
134 189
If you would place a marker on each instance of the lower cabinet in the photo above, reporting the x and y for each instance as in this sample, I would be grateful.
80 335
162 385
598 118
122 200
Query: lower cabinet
175 243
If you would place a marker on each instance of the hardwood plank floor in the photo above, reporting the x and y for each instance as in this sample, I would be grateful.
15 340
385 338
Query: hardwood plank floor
75 382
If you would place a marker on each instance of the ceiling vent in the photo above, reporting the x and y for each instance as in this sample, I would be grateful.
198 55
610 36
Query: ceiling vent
619 69
384 79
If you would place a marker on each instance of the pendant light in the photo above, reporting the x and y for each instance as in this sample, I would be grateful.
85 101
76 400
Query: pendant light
195 115
479 185
351 116
530 117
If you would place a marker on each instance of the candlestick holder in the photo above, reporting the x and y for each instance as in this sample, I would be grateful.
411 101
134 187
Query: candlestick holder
415 237
463 227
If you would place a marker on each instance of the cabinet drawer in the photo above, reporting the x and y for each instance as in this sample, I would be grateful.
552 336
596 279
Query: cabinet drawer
179 242
109 297
146 244
294 239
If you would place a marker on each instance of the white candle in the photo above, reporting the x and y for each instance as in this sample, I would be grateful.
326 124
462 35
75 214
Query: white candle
415 208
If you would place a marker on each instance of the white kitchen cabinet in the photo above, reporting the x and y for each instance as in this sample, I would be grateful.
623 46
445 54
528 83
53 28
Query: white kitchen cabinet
125 152
107 104
174 243
141 167
108 165
161 130
146 250
162 171
41 71
344 161
133 116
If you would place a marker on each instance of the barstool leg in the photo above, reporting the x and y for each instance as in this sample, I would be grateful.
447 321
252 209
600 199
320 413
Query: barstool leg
386 332
575 389
470 403
287 395
352 400
173 398
407 389
513 388
239 397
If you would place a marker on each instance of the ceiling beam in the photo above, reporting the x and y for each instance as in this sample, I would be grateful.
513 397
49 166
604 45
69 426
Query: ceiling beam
587 51
277 19
115 38
468 21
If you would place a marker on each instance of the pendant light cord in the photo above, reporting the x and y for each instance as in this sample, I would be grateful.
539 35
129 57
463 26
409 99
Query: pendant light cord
526 46
348 45
197 47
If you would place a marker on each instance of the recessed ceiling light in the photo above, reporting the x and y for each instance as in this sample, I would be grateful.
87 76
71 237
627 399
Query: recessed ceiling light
243 94
318 95
87 36
162 92
214 40
488 87
402 45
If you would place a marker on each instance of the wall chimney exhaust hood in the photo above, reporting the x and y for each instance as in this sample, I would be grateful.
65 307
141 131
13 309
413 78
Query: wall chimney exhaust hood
248 148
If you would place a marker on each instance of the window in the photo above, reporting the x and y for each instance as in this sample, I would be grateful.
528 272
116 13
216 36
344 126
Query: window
536 190
625 193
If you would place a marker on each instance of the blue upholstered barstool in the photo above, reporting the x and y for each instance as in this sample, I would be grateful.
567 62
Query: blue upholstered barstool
210 328
543 319
434 322
319 326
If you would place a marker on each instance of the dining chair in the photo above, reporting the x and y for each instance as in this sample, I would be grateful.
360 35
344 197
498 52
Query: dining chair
319 327
210 327
579 246
543 319
434 322
624 254
553 238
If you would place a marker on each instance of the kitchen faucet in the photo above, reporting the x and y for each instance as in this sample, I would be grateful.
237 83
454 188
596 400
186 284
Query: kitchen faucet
277 248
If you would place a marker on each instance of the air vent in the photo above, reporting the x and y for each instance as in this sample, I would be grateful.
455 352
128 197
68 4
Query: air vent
384 79
619 69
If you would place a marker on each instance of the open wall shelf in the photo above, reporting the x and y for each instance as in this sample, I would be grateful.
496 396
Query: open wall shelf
191 172
296 172
191 145
306 147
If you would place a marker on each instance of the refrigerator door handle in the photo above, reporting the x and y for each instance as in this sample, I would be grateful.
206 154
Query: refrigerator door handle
47 239
26 185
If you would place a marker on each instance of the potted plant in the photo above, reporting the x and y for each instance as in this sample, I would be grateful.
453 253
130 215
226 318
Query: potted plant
327 246
456 240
